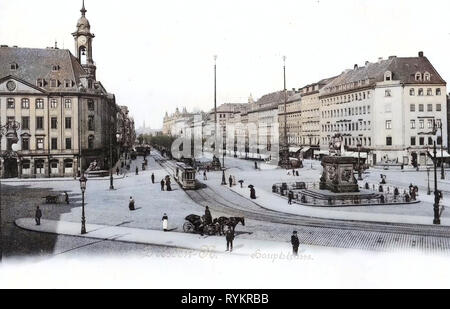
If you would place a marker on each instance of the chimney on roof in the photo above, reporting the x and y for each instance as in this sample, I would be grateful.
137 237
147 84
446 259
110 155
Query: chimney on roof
392 57
421 54
355 67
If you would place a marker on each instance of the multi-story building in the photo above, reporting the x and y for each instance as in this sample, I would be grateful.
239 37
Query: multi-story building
309 135
388 108
293 119
67 118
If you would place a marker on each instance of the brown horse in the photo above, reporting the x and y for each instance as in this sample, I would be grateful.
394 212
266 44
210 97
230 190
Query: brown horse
231 222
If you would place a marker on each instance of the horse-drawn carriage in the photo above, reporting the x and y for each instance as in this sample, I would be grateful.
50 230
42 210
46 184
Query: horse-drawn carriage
197 224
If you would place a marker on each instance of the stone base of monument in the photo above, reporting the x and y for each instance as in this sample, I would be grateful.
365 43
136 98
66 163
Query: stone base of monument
338 175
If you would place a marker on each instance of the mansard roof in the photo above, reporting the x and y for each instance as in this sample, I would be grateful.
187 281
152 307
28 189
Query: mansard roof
47 64
403 69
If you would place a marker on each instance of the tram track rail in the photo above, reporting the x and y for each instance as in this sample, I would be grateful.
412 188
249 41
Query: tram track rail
325 231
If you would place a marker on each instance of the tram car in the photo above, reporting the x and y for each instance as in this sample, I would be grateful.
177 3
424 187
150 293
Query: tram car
185 176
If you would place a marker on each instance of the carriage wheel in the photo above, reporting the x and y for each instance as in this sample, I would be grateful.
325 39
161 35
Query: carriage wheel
188 227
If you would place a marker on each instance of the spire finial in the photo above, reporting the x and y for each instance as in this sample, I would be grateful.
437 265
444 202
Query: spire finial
83 10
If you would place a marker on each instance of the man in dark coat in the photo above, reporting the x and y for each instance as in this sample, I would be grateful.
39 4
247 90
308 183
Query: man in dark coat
252 193
208 217
168 186
66 197
229 235
290 197
230 180
295 243
137 171
162 185
153 178
38 215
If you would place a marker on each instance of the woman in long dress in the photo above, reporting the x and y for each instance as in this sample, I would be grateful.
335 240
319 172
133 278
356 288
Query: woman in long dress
165 221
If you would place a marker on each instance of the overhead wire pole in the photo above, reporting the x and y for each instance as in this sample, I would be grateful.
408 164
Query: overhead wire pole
215 104
286 143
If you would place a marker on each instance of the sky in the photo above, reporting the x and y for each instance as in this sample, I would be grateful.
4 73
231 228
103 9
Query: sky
158 55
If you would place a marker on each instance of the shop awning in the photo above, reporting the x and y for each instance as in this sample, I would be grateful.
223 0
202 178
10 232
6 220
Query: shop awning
294 149
322 152
362 155
305 149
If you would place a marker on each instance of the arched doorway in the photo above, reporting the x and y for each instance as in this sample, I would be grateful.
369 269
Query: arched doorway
10 166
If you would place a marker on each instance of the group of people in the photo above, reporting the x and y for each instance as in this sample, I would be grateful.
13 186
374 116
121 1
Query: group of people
294 173
167 183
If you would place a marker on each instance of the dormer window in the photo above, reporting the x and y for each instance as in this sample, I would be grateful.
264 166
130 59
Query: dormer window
40 82
14 66
418 76
53 83
427 76
388 76
55 68
67 83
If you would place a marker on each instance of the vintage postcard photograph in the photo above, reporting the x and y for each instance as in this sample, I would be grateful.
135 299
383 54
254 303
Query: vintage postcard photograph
211 144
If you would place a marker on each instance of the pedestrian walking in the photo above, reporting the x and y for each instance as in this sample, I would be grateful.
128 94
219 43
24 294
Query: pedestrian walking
295 243
168 186
230 180
290 197
137 170
208 217
117 171
297 173
204 175
66 197
131 204
165 222
153 178
162 185
229 235
256 165
38 215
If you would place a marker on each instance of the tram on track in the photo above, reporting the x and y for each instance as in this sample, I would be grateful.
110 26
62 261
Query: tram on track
185 176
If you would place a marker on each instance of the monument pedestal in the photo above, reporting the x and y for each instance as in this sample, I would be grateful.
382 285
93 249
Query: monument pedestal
338 175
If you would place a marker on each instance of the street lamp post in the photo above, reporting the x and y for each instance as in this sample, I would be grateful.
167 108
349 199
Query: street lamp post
436 193
111 179
428 178
83 181
359 164
442 153
215 105
286 143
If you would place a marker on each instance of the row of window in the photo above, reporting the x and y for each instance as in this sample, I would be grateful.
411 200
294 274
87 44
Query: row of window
342 127
422 141
347 98
40 143
53 143
54 83
430 124
412 107
25 124
412 92
351 111
39 104
351 141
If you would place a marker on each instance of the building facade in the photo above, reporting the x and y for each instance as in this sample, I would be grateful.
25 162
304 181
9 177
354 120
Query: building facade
389 108
63 117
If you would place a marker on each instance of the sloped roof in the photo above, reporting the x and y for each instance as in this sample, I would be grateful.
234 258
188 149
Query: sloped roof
403 69
34 64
